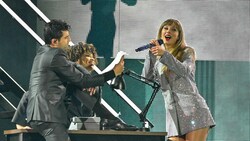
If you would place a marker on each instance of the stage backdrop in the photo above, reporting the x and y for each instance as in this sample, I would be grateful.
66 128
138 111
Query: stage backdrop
218 30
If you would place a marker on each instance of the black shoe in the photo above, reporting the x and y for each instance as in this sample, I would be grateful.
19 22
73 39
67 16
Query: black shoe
118 125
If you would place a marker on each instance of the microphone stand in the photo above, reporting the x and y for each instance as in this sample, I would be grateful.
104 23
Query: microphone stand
156 86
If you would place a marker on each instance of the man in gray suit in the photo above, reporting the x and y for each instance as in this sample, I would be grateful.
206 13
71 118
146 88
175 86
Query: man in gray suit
51 72
79 102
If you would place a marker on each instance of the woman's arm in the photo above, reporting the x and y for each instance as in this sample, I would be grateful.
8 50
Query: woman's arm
148 68
184 68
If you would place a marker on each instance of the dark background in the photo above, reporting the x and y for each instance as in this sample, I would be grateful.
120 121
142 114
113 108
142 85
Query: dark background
17 50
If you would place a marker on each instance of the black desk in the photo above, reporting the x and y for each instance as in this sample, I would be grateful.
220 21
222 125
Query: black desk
89 135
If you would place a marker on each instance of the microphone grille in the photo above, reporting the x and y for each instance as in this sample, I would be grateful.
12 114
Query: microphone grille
160 41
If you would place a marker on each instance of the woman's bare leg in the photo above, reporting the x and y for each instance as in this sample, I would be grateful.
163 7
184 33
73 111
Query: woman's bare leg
176 139
197 135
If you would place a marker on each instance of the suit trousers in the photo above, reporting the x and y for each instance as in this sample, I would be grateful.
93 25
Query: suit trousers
51 131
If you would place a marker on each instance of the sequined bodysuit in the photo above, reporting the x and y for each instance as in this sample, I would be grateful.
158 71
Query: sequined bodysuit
186 109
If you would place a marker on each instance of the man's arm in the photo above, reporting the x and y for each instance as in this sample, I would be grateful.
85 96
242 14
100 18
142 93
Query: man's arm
67 70
20 115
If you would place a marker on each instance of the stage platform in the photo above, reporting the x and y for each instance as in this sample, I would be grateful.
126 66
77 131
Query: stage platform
89 135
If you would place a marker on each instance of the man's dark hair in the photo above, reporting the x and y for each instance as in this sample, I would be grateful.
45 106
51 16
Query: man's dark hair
54 29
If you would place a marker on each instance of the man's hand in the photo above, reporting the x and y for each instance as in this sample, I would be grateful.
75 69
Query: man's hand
118 69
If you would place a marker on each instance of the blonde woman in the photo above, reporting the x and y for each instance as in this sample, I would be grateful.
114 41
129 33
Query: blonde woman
173 64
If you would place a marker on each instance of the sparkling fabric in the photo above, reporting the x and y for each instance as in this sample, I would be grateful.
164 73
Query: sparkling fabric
186 109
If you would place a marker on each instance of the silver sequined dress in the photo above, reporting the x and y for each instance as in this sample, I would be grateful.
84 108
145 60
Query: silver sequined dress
186 110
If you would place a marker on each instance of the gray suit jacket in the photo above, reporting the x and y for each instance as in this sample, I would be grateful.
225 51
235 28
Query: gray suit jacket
50 73
75 95
83 96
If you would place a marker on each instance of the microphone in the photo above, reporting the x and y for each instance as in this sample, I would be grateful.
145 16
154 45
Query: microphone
160 41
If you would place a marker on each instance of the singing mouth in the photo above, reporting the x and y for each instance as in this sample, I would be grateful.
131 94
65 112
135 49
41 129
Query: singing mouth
168 37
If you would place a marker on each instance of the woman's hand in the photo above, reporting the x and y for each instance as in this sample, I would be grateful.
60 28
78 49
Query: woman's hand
118 69
91 91
157 50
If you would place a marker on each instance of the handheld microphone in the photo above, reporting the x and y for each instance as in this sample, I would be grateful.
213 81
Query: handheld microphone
160 41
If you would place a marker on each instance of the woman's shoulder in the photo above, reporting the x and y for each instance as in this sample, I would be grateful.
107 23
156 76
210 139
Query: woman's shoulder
188 48
188 52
